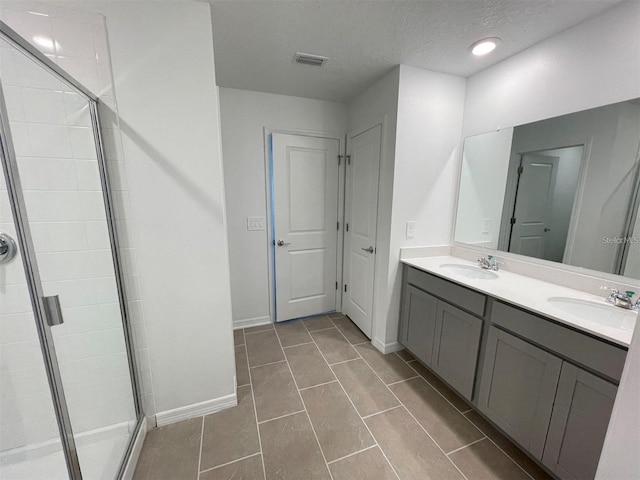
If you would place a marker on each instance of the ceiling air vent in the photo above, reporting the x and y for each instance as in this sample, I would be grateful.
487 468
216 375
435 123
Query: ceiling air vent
307 59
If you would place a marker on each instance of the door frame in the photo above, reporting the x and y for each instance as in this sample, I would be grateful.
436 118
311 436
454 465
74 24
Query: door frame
376 267
268 170
504 236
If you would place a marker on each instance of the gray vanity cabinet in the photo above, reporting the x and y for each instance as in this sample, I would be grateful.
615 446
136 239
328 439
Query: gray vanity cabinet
581 413
455 347
418 322
443 337
518 387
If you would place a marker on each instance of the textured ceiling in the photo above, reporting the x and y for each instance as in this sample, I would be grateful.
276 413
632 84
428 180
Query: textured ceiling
254 41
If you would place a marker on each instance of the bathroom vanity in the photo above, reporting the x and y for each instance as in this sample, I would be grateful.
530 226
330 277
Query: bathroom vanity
521 352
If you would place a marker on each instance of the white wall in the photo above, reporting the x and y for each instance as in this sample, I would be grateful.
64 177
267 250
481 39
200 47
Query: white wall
620 459
422 113
162 56
379 105
592 64
430 107
483 179
587 66
244 117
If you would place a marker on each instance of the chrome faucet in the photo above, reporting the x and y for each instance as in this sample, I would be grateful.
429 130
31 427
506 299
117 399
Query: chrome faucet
623 300
489 263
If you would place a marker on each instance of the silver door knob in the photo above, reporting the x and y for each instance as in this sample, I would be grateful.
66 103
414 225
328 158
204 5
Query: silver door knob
370 249
282 243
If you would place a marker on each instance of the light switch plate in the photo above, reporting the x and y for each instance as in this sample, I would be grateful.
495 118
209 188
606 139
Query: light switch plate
411 229
486 225
256 223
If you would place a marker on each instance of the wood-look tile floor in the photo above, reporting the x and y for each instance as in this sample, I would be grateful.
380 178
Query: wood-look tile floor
317 401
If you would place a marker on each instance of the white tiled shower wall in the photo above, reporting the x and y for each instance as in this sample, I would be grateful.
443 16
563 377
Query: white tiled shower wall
77 42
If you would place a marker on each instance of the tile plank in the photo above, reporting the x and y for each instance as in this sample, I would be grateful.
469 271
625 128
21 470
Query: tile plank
291 451
275 391
308 365
412 453
338 426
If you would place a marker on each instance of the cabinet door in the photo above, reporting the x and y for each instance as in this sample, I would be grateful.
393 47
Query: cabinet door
578 424
418 322
455 347
517 388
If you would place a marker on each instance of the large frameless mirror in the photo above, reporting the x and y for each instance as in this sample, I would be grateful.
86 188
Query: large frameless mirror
565 189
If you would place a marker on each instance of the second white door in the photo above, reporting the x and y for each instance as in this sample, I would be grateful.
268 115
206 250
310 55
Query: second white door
305 224
534 200
361 213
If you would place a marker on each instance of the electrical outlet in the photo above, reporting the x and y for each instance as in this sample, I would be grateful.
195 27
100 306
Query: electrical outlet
486 225
411 229
255 223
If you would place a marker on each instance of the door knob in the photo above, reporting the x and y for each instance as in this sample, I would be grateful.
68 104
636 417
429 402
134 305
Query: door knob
370 249
282 243
547 229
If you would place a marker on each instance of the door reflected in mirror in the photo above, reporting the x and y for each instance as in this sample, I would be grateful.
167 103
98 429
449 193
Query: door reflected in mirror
564 189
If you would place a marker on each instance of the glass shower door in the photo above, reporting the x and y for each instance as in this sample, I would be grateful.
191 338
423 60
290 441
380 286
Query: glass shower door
30 446
65 217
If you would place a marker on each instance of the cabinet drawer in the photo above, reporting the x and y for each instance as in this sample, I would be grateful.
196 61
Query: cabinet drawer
464 298
594 354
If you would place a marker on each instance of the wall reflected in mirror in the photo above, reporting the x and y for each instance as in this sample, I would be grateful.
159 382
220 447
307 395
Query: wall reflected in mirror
564 189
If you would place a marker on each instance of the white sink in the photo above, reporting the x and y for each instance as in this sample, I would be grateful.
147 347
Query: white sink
601 313
469 271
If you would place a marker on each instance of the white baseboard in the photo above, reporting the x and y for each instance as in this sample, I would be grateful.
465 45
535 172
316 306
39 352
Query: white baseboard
130 467
196 410
386 347
251 322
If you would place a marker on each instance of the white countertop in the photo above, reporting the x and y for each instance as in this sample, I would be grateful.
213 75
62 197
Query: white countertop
528 293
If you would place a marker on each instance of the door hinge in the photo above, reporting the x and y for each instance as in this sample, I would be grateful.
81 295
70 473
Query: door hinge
336 285
347 227
513 220
520 170
345 287
340 158
348 159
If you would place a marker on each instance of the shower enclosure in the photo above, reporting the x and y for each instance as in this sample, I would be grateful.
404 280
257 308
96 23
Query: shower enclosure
69 402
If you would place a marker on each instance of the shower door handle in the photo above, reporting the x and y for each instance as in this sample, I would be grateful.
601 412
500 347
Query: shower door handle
53 311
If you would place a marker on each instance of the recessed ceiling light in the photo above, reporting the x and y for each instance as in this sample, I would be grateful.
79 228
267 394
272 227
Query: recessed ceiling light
484 46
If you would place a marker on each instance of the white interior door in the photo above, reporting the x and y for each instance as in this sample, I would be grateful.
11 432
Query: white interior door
305 211
534 201
361 212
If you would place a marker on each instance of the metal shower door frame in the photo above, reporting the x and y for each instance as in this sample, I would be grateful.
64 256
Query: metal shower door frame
23 231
